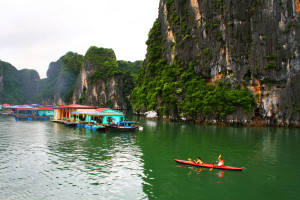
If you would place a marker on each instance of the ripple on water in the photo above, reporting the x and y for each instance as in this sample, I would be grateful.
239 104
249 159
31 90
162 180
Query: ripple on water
44 160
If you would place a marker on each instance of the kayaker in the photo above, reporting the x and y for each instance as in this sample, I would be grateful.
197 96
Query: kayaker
220 162
199 161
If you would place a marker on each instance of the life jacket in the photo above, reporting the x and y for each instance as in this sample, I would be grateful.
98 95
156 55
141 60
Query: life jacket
221 163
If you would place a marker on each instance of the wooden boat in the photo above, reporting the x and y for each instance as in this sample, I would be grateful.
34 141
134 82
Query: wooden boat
99 127
208 165
123 126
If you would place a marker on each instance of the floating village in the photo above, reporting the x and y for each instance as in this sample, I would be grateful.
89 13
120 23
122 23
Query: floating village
89 117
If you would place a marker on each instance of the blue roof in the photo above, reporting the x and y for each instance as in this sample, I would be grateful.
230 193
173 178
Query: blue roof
21 106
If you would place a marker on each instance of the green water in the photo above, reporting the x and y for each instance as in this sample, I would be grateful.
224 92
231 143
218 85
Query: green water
45 160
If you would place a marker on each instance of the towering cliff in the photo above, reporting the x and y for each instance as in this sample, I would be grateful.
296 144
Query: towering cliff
17 86
223 61
58 87
101 82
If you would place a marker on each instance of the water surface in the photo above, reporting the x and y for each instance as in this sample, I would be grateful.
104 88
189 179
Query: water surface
45 160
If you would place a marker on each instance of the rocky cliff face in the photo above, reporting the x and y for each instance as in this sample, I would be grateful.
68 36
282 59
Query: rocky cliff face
57 88
100 82
1 81
251 44
17 86
28 80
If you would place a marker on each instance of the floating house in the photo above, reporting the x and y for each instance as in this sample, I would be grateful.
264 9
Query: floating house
63 113
6 109
99 116
112 116
29 113
16 107
46 111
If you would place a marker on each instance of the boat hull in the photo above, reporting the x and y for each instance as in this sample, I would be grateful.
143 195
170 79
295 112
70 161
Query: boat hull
110 128
208 165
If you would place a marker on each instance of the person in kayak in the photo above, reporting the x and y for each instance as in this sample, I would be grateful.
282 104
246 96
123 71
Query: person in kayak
220 162
199 161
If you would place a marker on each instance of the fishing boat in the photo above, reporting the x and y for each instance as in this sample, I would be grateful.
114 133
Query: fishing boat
123 126
208 165
99 127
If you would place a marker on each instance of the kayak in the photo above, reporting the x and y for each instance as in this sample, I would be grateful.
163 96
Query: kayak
208 165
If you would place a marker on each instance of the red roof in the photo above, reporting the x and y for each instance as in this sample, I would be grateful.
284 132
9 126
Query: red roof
75 106
5 104
46 108
101 109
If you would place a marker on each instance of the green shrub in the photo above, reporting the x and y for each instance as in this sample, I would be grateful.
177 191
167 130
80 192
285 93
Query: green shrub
270 65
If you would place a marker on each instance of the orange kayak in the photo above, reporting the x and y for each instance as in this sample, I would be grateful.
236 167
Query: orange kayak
208 165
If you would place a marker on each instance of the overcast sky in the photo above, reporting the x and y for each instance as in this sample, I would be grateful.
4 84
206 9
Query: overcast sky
34 33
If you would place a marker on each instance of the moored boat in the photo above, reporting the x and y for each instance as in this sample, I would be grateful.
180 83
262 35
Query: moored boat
208 165
123 126
99 127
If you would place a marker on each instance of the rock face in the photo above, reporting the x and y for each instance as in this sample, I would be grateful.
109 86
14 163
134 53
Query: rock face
254 44
28 80
57 88
17 86
95 79
100 82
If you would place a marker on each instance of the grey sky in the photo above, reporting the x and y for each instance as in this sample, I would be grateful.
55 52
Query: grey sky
34 33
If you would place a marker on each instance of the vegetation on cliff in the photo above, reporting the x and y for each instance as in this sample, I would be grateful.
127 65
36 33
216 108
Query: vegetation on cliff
62 75
176 90
103 82
25 86
9 86
104 60
130 67
17 86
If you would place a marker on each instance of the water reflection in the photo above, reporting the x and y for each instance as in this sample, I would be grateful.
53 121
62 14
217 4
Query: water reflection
200 170
151 124
47 160
108 162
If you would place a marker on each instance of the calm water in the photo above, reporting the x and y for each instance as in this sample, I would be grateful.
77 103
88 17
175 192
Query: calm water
45 160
